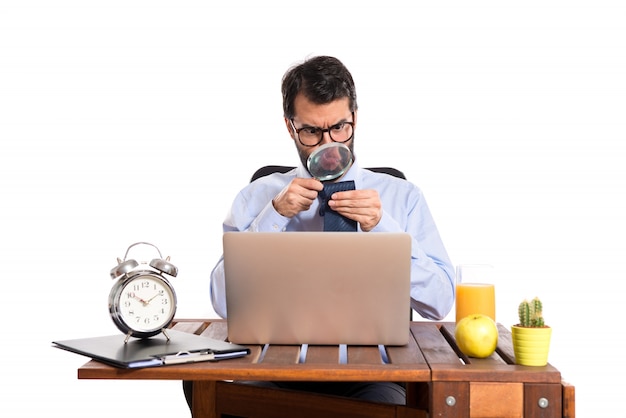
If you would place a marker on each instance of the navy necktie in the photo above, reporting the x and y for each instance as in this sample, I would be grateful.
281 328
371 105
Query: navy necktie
332 220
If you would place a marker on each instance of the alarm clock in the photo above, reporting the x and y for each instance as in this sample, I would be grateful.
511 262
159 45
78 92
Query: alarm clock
142 302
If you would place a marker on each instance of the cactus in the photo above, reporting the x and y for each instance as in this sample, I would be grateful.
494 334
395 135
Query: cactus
530 313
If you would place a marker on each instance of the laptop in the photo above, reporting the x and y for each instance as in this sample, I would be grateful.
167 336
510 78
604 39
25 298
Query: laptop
323 288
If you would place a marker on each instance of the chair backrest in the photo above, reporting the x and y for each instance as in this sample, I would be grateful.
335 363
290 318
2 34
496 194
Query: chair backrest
269 169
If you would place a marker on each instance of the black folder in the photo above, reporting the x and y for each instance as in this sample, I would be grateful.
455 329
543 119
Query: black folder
182 347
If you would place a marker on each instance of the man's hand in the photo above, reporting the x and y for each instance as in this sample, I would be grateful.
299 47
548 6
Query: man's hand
297 196
362 206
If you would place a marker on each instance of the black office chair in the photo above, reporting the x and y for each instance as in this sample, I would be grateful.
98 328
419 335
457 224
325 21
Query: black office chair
269 169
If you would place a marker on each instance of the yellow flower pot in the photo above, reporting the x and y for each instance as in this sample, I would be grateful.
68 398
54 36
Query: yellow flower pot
531 345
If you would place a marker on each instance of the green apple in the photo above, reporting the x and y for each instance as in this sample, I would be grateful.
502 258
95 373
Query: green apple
476 335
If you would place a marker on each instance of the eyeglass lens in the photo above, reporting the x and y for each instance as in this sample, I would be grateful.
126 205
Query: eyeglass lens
311 136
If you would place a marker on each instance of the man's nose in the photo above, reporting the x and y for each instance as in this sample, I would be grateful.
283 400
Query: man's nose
326 138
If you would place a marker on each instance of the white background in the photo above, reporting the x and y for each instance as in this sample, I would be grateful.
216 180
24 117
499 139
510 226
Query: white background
125 121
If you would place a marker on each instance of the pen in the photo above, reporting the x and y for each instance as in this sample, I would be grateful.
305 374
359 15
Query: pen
146 363
187 357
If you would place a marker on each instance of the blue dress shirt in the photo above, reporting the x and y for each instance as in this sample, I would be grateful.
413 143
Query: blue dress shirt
404 210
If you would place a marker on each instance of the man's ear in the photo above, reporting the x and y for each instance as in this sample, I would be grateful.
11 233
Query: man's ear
354 117
289 126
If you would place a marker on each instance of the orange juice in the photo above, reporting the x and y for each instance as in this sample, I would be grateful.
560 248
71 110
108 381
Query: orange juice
475 298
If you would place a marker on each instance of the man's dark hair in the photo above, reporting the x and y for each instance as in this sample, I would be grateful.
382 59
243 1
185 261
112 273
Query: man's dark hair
321 79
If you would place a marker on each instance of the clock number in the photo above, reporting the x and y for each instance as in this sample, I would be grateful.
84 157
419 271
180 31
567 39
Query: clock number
130 295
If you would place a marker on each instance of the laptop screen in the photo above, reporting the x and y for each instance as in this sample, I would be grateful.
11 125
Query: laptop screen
318 287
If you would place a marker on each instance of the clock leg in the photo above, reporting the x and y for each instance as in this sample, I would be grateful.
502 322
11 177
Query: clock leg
165 333
127 337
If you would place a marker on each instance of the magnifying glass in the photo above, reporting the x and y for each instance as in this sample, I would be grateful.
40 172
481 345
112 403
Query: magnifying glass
330 161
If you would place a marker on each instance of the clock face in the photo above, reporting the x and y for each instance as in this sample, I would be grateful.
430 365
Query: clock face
143 304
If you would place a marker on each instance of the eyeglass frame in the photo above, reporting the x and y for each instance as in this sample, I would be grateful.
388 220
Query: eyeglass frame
298 130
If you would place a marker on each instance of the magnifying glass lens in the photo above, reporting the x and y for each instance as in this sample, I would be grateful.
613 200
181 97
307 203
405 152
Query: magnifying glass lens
330 161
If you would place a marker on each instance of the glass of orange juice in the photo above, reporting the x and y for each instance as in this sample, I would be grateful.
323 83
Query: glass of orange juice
475 291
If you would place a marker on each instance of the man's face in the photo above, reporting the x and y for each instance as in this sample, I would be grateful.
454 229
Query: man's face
309 114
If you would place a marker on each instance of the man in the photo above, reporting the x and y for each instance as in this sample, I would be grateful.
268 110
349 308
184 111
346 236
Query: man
320 107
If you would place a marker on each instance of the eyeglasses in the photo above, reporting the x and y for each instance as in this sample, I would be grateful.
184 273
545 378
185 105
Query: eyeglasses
310 136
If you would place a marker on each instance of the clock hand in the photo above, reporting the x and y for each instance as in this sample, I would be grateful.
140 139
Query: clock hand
141 300
149 300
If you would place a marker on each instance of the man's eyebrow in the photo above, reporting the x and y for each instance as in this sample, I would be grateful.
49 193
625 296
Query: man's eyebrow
306 125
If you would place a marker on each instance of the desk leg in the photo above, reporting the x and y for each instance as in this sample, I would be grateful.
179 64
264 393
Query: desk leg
417 395
449 399
203 404
569 400
542 400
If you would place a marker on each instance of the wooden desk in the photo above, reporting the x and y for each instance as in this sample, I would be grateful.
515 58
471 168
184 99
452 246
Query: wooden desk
454 385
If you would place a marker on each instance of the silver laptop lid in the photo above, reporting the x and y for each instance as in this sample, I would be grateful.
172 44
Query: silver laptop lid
317 287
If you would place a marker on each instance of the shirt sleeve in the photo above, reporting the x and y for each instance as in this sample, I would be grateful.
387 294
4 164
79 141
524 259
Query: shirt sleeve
269 220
